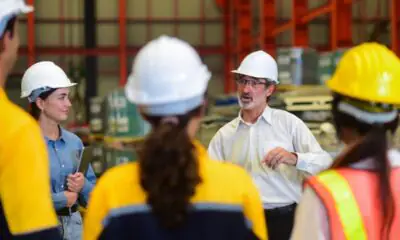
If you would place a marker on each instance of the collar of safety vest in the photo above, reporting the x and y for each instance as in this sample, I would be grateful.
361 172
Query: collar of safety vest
3 95
266 115
200 150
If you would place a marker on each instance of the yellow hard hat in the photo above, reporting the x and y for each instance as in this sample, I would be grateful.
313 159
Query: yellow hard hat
369 72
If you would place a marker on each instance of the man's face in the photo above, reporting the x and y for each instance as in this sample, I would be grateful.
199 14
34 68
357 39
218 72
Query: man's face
252 92
9 49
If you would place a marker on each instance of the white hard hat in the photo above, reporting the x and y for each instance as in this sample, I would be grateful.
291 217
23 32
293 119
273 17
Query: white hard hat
168 77
259 64
9 8
43 74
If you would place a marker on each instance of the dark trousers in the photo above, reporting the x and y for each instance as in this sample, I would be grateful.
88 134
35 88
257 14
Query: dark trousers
280 222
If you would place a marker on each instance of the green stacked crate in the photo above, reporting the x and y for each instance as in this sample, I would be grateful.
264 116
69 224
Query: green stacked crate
114 157
284 63
110 116
109 156
338 54
98 162
327 64
325 67
124 156
124 119
96 121
297 66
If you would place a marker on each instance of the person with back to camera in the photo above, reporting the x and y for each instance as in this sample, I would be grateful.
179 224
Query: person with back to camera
174 191
26 210
359 197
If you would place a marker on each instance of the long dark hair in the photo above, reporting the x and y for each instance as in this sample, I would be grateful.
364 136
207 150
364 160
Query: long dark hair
169 171
374 145
34 109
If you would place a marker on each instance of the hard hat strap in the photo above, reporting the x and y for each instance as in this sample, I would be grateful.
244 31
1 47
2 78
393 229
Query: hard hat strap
37 92
367 117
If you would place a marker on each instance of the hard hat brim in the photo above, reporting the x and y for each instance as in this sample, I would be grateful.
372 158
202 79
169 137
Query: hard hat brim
27 9
27 94
252 75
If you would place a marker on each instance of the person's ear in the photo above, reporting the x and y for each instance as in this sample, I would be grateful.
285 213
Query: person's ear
271 89
40 103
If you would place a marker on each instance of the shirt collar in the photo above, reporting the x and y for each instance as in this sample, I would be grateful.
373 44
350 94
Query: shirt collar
266 116
61 138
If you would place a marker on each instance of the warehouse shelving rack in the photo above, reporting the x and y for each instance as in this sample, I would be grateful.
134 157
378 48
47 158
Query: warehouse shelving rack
340 26
237 19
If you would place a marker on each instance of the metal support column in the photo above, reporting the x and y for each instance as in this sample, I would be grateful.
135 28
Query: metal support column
31 34
244 18
341 22
395 25
228 56
91 67
300 29
122 43
267 23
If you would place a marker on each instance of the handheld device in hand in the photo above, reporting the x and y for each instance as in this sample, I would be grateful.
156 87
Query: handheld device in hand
85 159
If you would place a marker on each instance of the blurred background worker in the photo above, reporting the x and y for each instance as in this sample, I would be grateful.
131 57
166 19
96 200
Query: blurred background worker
360 195
175 191
25 203
275 146
47 88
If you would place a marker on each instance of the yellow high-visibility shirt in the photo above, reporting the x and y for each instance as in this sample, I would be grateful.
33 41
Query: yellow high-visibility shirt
26 209
226 205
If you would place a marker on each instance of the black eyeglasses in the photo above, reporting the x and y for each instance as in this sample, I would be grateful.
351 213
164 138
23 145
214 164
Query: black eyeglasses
252 82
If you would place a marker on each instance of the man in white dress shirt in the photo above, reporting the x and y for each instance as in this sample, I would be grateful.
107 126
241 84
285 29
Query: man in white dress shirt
275 146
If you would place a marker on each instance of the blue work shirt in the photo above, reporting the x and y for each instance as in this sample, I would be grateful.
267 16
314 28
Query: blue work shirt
63 154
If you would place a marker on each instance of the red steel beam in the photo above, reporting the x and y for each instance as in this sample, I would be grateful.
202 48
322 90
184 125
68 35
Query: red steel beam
132 20
267 22
340 25
184 20
122 43
108 50
31 34
316 12
243 8
283 27
300 30
395 22
228 35
131 50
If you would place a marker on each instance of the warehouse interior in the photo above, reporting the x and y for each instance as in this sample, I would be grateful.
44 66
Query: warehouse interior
95 42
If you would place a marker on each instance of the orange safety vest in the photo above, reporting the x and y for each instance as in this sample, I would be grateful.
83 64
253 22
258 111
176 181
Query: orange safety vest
351 197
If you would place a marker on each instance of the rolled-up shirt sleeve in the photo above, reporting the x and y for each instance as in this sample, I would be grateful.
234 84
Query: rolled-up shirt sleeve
311 158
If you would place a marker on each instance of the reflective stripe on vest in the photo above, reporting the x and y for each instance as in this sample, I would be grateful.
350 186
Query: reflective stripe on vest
345 204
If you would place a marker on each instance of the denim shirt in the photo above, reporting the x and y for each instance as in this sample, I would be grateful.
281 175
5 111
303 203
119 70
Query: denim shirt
64 154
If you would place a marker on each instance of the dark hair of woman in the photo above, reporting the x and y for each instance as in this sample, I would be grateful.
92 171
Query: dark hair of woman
169 171
373 145
34 109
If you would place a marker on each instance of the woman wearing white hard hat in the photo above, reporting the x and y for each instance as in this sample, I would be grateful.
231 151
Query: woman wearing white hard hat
47 88
174 191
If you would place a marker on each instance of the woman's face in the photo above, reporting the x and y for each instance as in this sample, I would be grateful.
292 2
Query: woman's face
56 106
